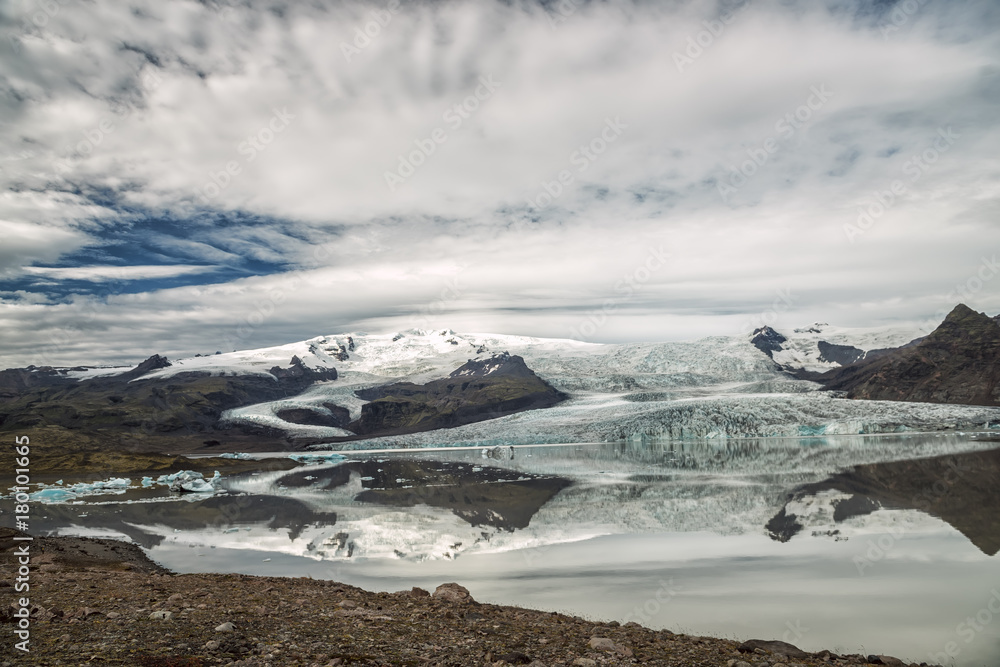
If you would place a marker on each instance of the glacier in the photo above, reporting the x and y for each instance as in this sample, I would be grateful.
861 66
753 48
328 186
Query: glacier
715 387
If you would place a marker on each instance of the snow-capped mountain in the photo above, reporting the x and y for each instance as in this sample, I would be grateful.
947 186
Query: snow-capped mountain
709 388
820 347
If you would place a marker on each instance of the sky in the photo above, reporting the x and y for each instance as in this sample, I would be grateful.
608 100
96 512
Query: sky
186 177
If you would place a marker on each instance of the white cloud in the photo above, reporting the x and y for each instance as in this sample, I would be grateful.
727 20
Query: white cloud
106 273
157 121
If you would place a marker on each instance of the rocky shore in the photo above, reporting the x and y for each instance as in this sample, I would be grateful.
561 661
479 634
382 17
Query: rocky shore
102 602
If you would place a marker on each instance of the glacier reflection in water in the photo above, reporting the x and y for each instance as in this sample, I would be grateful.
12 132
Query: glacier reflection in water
838 542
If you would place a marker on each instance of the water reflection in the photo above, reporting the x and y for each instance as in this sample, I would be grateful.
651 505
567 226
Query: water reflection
875 544
961 489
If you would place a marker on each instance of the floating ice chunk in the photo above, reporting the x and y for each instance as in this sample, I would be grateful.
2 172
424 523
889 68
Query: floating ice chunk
195 486
59 494
240 456
190 481
52 495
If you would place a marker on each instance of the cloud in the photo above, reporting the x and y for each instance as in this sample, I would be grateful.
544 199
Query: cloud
111 273
537 153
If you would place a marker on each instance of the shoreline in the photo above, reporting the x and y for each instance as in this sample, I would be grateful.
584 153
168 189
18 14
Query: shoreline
100 601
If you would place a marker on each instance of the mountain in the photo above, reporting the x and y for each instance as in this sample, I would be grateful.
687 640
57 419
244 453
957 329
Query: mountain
420 388
140 408
480 389
821 347
767 340
959 362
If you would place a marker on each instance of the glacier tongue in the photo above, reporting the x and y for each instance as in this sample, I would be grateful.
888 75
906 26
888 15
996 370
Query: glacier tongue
716 387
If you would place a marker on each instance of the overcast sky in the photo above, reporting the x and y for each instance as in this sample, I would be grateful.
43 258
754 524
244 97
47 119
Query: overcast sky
183 177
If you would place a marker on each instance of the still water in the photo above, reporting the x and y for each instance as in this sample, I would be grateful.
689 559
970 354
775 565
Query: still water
881 544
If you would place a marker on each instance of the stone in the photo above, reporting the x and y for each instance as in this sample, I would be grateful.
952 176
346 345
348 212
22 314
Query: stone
212 645
112 615
225 627
783 649
585 662
175 598
419 593
452 592
347 604
162 616
515 658
602 644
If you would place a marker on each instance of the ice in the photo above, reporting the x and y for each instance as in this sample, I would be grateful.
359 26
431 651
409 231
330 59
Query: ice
53 495
56 493
240 456
190 481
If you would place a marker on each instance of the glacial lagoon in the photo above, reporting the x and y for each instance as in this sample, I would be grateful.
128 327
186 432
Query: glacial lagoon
859 544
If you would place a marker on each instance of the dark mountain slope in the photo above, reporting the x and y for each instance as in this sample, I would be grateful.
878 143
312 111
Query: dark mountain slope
478 390
959 362
175 413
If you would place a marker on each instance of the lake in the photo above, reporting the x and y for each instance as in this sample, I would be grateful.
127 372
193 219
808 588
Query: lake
859 544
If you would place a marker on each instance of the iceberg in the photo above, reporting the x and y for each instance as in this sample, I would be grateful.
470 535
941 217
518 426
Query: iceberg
190 481
55 493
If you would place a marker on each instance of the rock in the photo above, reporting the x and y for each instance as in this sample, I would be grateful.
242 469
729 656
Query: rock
778 648
347 604
212 645
586 662
419 593
162 616
738 663
113 615
515 658
175 598
602 644
537 663
226 627
885 660
452 592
